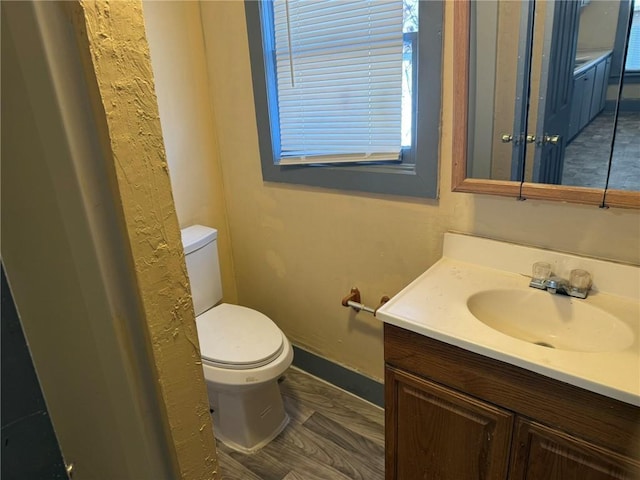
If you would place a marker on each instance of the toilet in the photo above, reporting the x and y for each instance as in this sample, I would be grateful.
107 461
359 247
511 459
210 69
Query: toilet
243 353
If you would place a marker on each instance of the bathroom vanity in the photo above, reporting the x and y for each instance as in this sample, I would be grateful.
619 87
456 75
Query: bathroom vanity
590 81
472 393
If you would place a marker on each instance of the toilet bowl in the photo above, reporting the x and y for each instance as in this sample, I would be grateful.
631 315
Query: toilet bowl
243 353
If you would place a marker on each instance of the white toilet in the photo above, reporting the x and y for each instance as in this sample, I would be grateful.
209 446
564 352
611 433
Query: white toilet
243 353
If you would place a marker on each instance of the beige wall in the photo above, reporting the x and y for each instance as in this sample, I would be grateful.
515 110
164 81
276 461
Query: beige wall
631 91
298 250
175 39
598 25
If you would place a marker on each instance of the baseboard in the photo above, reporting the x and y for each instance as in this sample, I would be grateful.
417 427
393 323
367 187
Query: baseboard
626 105
341 377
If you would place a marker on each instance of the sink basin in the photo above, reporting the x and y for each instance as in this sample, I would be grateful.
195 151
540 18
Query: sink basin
552 321
476 297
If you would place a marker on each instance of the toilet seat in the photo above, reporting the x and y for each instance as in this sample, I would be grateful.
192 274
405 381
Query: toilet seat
238 338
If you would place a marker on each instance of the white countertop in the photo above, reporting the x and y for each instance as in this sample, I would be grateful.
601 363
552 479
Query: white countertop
585 59
435 305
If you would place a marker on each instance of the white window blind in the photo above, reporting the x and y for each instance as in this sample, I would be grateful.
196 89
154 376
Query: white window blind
339 80
633 50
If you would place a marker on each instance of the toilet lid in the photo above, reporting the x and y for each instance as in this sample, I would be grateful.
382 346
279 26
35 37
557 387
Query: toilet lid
238 337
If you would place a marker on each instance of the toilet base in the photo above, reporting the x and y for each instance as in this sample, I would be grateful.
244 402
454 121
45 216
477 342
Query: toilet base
246 418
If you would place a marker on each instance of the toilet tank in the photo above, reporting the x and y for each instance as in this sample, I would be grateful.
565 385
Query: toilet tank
201 255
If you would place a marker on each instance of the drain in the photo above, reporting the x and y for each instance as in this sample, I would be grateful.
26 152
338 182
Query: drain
544 344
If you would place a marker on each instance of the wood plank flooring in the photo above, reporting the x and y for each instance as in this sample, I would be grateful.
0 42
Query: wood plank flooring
332 435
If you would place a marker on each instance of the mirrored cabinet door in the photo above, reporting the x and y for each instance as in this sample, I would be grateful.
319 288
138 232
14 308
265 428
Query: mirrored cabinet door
625 160
574 123
499 66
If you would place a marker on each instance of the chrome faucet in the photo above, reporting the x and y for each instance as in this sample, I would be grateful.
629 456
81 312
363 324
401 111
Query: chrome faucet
577 286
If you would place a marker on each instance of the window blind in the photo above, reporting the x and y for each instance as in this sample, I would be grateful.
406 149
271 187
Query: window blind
339 80
633 50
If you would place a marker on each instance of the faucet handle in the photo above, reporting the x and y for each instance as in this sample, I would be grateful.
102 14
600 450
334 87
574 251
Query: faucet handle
540 272
580 283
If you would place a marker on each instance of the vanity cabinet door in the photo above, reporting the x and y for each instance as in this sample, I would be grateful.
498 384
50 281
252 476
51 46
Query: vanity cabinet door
588 82
600 84
434 432
576 106
605 84
542 453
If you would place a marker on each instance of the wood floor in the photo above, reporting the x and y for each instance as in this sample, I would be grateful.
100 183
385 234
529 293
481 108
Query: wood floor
332 435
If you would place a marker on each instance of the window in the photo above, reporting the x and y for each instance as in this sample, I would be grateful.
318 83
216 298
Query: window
398 153
626 57
632 63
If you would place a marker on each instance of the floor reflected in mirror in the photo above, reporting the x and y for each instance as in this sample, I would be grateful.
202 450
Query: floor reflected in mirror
586 157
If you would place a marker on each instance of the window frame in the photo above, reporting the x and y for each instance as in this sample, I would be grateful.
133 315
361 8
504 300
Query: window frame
416 175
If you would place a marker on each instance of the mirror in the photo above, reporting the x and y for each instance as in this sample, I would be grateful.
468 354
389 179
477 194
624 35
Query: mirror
542 79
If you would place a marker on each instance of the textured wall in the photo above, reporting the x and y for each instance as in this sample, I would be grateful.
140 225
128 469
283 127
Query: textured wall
121 77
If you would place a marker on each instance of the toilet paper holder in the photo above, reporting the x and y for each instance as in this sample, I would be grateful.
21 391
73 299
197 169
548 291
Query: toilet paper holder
353 300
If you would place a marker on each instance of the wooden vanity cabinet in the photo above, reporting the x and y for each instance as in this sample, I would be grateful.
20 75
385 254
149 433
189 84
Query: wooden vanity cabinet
466 438
542 452
451 414
589 94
